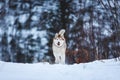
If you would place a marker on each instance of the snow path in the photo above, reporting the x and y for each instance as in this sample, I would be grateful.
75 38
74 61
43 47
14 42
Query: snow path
97 70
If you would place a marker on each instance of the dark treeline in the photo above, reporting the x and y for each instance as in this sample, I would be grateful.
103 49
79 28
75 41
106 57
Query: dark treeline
28 26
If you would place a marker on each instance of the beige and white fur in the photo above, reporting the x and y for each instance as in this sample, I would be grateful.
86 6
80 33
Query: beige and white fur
59 47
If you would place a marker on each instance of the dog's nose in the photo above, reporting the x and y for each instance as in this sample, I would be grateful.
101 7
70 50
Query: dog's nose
58 43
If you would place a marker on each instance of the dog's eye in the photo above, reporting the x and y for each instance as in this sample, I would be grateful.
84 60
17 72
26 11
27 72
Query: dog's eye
62 38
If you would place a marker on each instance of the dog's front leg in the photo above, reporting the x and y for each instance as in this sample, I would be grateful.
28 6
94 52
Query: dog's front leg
63 59
56 60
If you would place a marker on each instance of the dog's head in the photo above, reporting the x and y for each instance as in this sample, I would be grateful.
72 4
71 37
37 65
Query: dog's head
59 38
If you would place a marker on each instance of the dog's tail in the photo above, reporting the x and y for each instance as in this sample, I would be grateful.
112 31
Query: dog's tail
62 31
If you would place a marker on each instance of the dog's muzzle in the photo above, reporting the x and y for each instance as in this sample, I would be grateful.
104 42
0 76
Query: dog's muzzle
58 43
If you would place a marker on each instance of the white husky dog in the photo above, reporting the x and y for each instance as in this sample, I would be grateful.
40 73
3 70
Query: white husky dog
59 47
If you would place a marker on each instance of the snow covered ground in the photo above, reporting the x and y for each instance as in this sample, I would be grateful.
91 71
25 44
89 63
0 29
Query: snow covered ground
97 70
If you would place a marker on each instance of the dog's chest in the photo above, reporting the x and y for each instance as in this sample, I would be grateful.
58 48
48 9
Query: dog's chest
58 49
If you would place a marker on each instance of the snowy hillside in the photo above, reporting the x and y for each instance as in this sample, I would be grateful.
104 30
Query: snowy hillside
97 70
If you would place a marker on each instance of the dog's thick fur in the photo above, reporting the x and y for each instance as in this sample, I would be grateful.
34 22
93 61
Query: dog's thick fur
59 47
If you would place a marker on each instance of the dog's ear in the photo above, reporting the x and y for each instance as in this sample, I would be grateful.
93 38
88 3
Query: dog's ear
61 32
56 35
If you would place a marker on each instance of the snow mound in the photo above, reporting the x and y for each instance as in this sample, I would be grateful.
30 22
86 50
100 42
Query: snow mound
97 70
